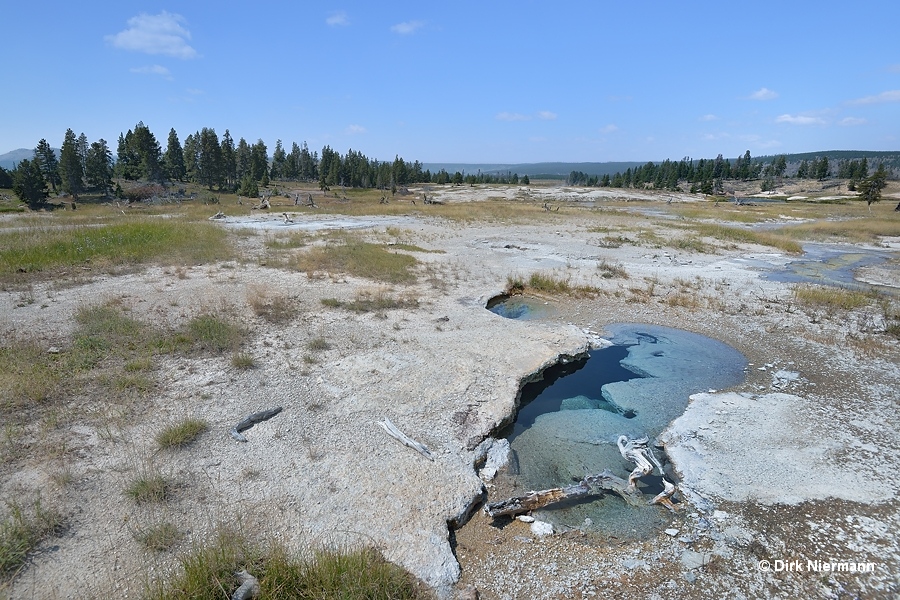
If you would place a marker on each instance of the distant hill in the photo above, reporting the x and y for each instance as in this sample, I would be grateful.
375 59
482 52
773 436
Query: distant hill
891 160
544 170
11 159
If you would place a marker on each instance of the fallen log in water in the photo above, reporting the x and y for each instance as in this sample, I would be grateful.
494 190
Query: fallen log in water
633 450
591 485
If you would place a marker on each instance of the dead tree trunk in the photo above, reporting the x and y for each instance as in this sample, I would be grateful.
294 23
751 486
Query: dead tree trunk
591 485
632 450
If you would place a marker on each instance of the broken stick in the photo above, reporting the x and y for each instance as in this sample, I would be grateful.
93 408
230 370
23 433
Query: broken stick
395 433
251 420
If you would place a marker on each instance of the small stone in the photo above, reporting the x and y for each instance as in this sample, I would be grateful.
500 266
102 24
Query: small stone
695 560
541 529
525 518
671 532
52 350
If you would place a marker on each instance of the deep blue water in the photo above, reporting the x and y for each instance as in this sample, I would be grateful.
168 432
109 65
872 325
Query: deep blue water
568 422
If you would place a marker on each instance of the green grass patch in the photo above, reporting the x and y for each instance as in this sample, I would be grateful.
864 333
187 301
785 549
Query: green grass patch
748 236
831 298
373 301
318 344
414 248
848 229
289 241
127 242
149 488
28 376
552 284
611 270
208 573
181 434
243 361
210 332
159 538
21 532
694 243
360 259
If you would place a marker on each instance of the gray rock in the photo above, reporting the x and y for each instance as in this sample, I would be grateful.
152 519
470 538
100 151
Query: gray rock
695 560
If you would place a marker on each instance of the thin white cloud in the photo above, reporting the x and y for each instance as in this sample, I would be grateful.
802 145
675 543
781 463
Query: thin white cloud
609 128
763 94
407 27
710 137
852 121
508 116
709 117
354 129
153 70
155 34
338 19
889 96
542 115
799 120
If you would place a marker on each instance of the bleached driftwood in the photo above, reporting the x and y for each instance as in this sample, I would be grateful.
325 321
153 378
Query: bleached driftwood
395 433
591 485
638 452
251 420
664 497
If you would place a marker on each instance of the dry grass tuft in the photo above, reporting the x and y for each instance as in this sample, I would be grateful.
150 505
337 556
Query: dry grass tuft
182 433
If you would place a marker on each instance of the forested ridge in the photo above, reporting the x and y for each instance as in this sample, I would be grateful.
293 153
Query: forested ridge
709 176
206 159
238 166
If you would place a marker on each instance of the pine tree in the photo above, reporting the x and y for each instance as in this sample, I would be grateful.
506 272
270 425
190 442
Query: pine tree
174 158
82 146
870 187
279 158
45 156
70 168
209 164
191 155
99 167
229 161
29 184
242 159
146 148
259 160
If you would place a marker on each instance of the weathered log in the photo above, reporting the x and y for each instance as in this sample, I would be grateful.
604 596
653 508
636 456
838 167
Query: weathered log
638 452
591 485
664 497
251 420
395 433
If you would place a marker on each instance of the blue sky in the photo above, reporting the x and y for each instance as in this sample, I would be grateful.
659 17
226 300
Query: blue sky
489 81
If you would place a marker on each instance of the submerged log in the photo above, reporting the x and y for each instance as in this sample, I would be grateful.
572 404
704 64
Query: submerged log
591 485
632 450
